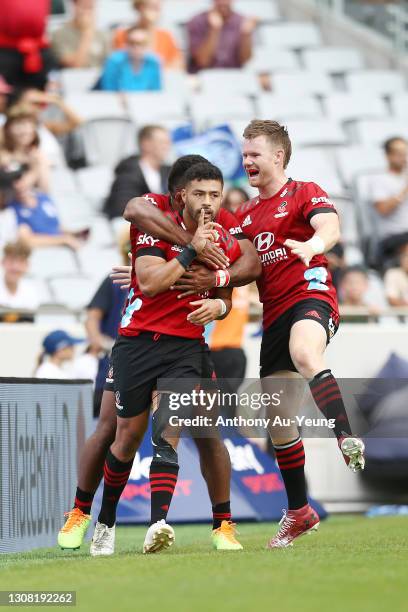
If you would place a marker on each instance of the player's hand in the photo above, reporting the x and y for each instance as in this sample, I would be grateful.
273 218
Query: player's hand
204 232
207 311
215 20
196 279
248 25
303 250
121 275
213 257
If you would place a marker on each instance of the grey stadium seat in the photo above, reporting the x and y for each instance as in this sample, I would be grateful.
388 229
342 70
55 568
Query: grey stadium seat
151 107
47 262
111 13
108 140
358 159
283 107
301 83
264 10
74 292
210 110
269 60
79 79
316 165
181 11
291 35
351 106
96 262
376 82
96 104
226 81
333 59
94 183
101 233
316 132
376 132
399 105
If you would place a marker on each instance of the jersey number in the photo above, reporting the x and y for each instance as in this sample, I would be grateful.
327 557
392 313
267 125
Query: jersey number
317 278
130 309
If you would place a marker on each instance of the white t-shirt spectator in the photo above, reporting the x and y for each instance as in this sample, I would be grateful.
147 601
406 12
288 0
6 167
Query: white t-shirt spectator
384 186
26 296
396 284
48 369
83 367
8 227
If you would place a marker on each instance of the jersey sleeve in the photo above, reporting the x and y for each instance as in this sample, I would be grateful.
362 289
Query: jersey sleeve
157 199
315 201
230 246
144 244
231 223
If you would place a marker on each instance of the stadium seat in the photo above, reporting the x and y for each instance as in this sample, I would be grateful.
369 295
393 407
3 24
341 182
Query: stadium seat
108 140
263 10
358 159
316 165
291 35
301 83
399 105
376 132
333 60
118 226
96 104
48 262
176 83
350 106
348 221
152 107
238 126
110 14
210 110
367 219
101 233
94 183
283 107
79 79
231 82
316 132
270 59
181 11
96 262
75 292
376 82
62 180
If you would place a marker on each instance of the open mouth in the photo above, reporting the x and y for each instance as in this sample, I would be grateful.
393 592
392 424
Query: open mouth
252 172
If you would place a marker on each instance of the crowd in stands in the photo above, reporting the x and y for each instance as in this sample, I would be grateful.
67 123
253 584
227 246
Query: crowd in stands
39 127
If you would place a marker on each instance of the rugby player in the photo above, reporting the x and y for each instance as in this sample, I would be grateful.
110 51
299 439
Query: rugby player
161 337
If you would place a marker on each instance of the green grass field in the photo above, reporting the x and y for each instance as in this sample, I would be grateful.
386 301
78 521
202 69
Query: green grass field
351 564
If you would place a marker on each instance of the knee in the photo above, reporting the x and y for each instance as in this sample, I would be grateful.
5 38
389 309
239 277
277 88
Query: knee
304 360
105 433
128 440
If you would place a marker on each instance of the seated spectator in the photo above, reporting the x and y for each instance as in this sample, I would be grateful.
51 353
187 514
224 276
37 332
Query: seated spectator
143 173
103 317
58 360
78 43
55 120
220 38
9 228
134 68
16 291
234 197
396 280
355 290
389 195
20 143
37 214
161 42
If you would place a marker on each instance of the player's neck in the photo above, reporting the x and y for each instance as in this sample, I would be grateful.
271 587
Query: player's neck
273 186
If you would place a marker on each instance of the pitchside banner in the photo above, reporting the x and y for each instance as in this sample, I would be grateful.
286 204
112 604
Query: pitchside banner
257 490
43 426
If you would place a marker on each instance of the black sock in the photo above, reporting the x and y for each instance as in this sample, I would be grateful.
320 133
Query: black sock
83 500
327 395
163 480
291 461
115 477
221 512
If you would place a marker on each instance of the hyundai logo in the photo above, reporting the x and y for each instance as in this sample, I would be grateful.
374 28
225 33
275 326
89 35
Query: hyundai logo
264 241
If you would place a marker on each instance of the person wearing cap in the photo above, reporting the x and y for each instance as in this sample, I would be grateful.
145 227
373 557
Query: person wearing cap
58 351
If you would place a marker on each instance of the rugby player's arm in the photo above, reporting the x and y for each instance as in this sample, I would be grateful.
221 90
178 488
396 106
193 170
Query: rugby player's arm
211 309
327 227
151 220
154 274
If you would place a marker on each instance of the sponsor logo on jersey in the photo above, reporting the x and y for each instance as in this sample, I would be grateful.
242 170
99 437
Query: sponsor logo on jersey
109 378
235 230
322 200
282 212
284 192
150 199
313 313
264 241
274 256
147 240
247 221
117 400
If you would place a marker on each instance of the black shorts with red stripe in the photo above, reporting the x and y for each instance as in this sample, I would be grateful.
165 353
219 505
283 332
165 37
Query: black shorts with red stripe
275 355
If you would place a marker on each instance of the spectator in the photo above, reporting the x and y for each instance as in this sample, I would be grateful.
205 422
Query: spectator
140 174
37 215
389 194
356 290
161 42
103 316
337 263
220 38
25 58
233 199
133 69
56 360
21 144
9 228
78 44
5 91
396 280
40 104
16 291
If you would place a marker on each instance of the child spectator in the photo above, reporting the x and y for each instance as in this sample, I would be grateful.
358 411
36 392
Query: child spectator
16 291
